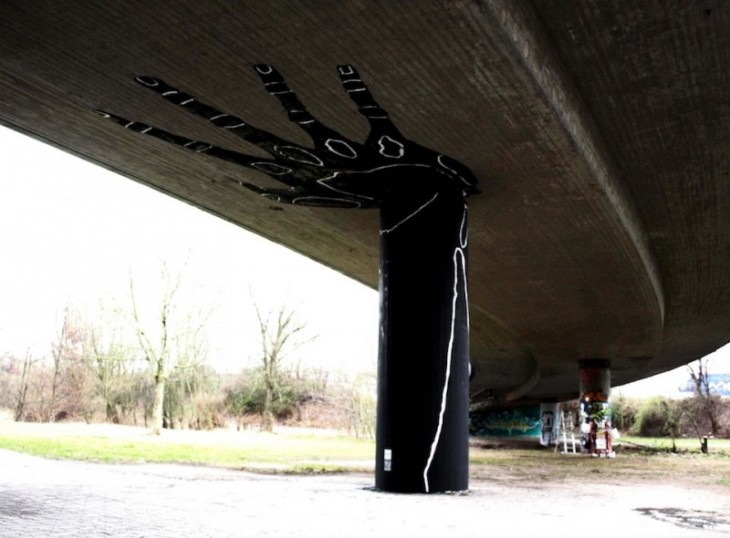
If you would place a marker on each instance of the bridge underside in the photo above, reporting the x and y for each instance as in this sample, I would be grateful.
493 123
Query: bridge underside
599 137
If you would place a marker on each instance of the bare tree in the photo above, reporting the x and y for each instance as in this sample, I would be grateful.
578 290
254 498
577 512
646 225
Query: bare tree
178 338
78 387
706 400
66 347
674 417
278 337
361 404
156 354
109 359
22 395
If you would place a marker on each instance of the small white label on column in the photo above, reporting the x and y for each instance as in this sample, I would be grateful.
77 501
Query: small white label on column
387 459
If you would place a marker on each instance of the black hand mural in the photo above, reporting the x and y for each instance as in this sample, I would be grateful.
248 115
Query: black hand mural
336 172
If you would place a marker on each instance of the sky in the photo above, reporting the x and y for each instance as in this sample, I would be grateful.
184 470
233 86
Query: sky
669 383
74 234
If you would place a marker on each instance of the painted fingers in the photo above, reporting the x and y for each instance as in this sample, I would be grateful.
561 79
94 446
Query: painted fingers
233 124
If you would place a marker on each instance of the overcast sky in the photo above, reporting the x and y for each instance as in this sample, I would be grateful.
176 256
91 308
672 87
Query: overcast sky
72 234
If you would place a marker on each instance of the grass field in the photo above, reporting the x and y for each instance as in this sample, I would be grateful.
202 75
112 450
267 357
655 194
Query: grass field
683 445
298 451
287 450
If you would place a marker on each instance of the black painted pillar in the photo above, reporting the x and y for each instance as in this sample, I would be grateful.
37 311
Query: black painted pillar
423 379
423 366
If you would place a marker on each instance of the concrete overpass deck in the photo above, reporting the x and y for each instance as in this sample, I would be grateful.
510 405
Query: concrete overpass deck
599 136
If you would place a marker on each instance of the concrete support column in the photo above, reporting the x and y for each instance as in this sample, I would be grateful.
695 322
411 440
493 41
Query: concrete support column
550 423
422 436
423 379
595 406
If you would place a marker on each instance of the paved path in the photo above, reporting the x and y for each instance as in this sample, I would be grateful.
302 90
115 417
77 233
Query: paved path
40 497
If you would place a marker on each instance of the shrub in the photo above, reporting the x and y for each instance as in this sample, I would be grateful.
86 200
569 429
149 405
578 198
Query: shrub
246 396
190 399
623 413
652 418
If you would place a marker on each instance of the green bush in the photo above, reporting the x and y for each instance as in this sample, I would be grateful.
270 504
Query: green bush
623 413
246 396
652 418
190 399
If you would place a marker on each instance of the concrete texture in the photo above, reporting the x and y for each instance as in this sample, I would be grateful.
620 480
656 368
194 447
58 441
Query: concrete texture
41 497
599 135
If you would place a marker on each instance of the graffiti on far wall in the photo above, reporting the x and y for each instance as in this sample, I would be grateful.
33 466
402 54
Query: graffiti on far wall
512 422
719 384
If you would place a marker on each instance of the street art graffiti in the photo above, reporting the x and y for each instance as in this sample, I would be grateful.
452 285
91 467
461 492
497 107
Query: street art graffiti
512 422
336 171
719 384
423 231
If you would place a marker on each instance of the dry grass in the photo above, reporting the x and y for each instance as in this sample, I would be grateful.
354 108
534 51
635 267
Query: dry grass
286 450
306 451
530 466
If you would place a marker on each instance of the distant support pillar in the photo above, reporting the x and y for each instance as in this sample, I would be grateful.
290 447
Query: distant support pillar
549 423
595 406
422 436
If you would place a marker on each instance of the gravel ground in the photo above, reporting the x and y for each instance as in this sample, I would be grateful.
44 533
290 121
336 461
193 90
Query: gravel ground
40 497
